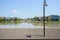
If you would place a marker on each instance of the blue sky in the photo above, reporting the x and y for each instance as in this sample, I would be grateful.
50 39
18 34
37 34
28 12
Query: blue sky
28 8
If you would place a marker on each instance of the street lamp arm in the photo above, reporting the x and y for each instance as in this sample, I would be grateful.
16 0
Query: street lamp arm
45 3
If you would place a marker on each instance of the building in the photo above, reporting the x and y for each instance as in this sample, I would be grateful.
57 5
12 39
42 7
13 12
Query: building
53 18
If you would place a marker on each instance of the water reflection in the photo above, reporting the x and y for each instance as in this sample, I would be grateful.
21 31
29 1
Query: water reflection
37 23
28 24
10 23
53 24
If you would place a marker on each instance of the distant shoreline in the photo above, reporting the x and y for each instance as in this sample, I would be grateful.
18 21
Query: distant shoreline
35 27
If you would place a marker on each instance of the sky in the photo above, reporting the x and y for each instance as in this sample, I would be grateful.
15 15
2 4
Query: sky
28 8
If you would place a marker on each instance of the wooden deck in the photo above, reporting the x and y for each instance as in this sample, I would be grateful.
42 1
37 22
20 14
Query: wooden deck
21 33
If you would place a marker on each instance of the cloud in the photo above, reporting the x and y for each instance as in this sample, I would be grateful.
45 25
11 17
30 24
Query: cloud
15 11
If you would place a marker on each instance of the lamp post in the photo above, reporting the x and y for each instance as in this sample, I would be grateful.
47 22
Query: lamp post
44 5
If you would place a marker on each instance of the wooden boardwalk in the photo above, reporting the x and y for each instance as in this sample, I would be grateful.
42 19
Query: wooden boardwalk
21 33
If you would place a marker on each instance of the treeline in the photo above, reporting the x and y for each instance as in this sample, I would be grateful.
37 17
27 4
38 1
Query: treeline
34 19
47 18
9 19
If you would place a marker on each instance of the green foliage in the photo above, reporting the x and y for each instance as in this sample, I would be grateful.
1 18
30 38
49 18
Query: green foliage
9 19
36 18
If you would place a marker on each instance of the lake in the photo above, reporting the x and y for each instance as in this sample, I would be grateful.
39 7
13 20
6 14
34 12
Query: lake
29 25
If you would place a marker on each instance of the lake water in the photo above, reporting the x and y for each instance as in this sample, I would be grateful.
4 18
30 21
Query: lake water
30 25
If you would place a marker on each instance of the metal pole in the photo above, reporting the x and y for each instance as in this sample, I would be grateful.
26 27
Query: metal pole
44 3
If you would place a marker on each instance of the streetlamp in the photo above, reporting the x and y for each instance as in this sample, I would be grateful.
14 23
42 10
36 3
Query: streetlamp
44 5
